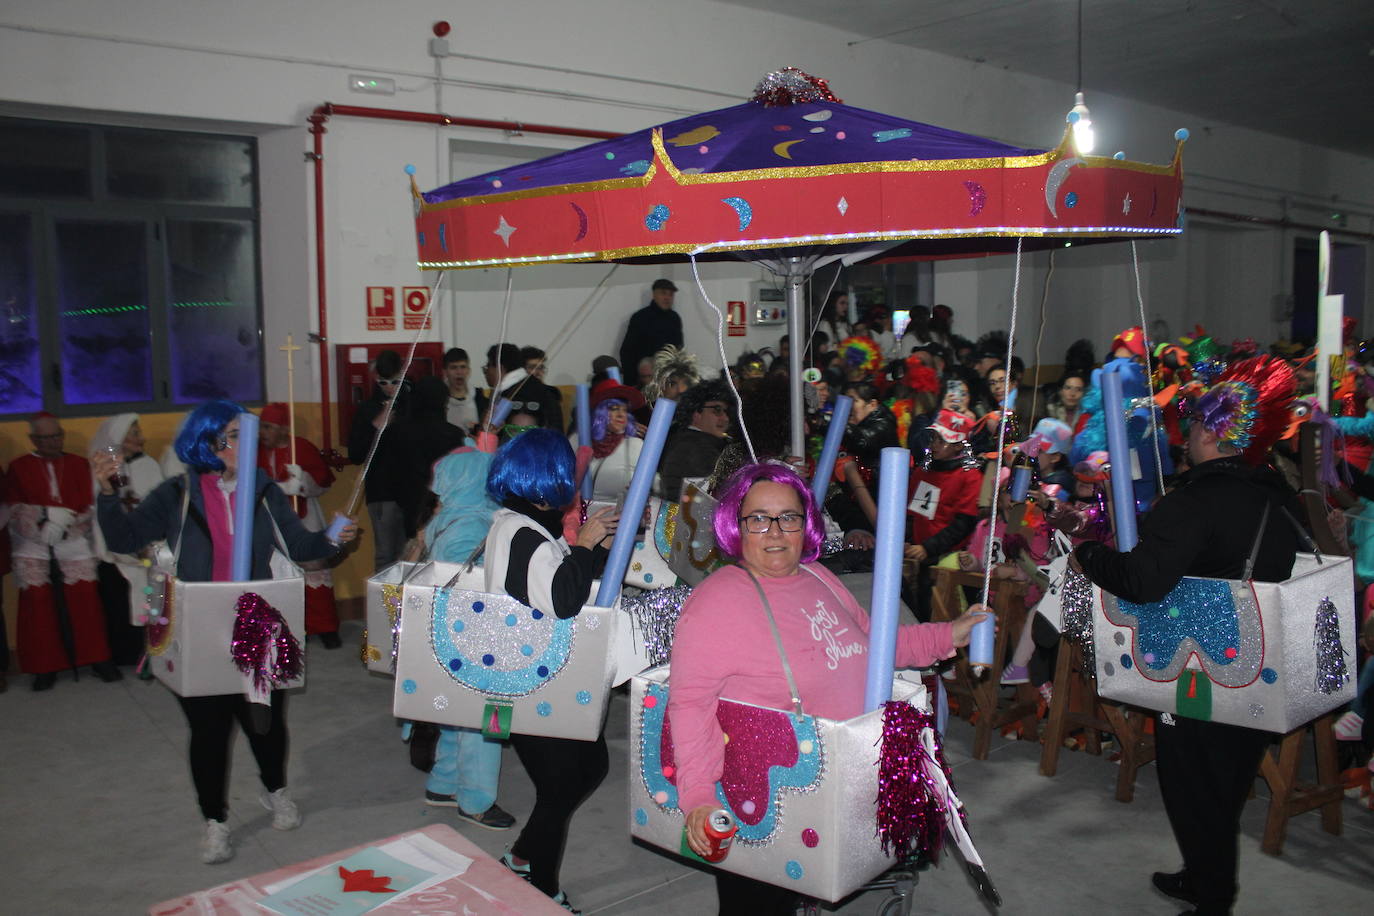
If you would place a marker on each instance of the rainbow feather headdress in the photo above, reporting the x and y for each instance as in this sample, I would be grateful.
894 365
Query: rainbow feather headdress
862 352
1248 406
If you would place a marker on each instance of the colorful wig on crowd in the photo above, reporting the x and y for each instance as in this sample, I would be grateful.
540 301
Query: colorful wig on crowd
197 444
1248 407
731 496
537 466
671 364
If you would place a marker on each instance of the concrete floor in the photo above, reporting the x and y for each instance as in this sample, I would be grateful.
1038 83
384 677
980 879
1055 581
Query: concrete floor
97 815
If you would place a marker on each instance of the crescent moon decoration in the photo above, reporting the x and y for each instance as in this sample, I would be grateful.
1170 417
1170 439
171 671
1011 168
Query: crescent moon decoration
784 149
977 197
1057 176
743 209
581 221
657 217
823 115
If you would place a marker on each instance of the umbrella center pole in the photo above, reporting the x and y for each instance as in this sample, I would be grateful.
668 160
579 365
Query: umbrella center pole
797 272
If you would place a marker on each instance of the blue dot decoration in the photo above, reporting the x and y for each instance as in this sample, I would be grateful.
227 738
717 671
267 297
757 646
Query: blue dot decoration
488 660
458 626
494 660
443 238
583 697
544 709
410 169
1119 155
537 614
1126 662
1269 675
1071 199
610 155
794 870
527 650
639 545
455 664
638 167
510 620
409 686
657 218
648 577
641 816
542 671
478 606
1181 134
1073 117
422 240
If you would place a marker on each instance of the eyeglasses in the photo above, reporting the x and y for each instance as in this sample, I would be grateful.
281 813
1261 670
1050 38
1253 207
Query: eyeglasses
388 381
758 523
715 408
526 406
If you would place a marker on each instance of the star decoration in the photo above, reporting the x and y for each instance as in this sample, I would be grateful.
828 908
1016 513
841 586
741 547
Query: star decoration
842 206
505 230
1126 204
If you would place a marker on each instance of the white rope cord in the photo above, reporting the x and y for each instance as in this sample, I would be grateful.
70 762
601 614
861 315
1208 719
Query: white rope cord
565 334
386 411
1002 429
820 314
724 361
1040 336
500 341
1149 376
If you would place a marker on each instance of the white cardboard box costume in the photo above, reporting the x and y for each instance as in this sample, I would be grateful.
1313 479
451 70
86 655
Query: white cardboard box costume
466 655
1265 655
649 567
382 614
808 823
191 652
690 537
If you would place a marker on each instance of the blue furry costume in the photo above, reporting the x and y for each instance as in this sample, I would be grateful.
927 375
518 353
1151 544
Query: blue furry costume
1093 438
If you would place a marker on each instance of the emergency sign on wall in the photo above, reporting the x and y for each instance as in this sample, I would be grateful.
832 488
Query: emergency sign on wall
415 305
381 308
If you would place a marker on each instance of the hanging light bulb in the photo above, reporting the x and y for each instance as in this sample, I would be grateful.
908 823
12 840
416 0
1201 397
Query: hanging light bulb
1082 124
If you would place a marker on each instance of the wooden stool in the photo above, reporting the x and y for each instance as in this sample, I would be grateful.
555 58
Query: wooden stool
1075 704
1289 795
983 694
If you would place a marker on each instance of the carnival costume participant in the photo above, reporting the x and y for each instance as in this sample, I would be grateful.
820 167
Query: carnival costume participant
123 577
943 510
531 478
1207 526
724 643
305 482
1136 398
201 534
699 433
49 495
675 371
616 439
467 766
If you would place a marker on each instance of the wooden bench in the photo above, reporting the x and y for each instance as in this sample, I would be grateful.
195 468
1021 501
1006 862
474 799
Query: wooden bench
983 695
1290 795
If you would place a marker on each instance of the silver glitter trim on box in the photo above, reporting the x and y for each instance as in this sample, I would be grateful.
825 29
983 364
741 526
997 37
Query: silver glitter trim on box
655 615
1078 615
1332 673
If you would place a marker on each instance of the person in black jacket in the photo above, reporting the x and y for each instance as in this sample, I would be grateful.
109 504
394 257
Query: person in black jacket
1208 526
506 376
382 485
423 438
651 329
202 541
872 428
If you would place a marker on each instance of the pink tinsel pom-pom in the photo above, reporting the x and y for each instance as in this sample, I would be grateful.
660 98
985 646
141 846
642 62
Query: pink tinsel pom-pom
259 628
789 86
911 805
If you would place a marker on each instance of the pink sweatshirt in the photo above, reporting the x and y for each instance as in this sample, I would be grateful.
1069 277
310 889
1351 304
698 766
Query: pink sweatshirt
723 647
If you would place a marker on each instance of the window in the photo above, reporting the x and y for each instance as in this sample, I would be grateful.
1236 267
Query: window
128 269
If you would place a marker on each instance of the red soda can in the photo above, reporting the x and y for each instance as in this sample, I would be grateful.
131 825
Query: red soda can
720 830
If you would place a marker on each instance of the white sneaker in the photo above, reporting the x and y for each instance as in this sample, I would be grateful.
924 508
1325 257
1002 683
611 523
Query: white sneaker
285 814
215 846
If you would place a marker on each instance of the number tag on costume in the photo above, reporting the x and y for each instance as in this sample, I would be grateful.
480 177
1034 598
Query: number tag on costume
997 555
925 500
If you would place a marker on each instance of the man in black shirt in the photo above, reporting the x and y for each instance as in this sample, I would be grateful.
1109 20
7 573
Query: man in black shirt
651 328
1208 526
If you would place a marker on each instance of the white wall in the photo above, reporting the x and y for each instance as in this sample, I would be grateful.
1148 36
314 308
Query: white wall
263 65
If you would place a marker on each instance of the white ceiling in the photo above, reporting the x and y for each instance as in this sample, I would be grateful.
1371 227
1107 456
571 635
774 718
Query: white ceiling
1297 68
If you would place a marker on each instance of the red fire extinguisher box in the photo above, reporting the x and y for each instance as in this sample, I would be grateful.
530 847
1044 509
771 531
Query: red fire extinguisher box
353 370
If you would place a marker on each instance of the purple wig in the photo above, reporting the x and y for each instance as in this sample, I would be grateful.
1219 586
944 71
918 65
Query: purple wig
601 419
736 487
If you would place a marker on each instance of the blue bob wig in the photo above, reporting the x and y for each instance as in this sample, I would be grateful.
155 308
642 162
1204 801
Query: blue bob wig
196 442
538 466
736 487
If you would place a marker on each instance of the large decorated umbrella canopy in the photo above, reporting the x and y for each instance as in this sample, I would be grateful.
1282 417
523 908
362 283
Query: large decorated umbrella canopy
787 179
787 173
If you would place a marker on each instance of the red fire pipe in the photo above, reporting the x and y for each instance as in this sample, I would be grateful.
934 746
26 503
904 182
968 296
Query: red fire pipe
317 121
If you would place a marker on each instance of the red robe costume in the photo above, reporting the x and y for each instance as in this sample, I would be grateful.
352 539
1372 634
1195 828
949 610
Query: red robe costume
321 614
937 498
33 487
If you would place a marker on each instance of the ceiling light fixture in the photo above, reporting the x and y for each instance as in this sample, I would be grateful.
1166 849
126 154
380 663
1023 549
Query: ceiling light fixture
1078 115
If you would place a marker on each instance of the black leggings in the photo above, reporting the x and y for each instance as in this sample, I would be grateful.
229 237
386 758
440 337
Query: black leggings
740 896
564 773
212 722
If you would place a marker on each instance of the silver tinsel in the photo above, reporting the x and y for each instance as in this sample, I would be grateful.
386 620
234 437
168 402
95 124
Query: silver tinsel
1078 614
1332 673
833 543
655 616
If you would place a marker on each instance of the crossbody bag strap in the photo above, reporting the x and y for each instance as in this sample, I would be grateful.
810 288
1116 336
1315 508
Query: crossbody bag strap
1303 536
468 564
1254 549
777 638
185 512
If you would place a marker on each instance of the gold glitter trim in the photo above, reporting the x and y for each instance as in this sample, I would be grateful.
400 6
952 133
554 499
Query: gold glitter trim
608 184
670 523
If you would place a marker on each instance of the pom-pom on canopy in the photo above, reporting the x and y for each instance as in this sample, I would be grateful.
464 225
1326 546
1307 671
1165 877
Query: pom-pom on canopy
789 86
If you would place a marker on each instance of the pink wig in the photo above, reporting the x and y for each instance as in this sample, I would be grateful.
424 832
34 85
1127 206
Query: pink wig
737 485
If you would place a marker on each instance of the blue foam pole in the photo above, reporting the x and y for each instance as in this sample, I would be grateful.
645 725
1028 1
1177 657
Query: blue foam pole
502 410
894 470
245 493
584 432
834 434
635 499
1119 453
613 372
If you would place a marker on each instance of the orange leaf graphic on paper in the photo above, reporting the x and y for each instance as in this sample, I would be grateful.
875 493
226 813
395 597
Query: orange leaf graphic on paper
364 879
